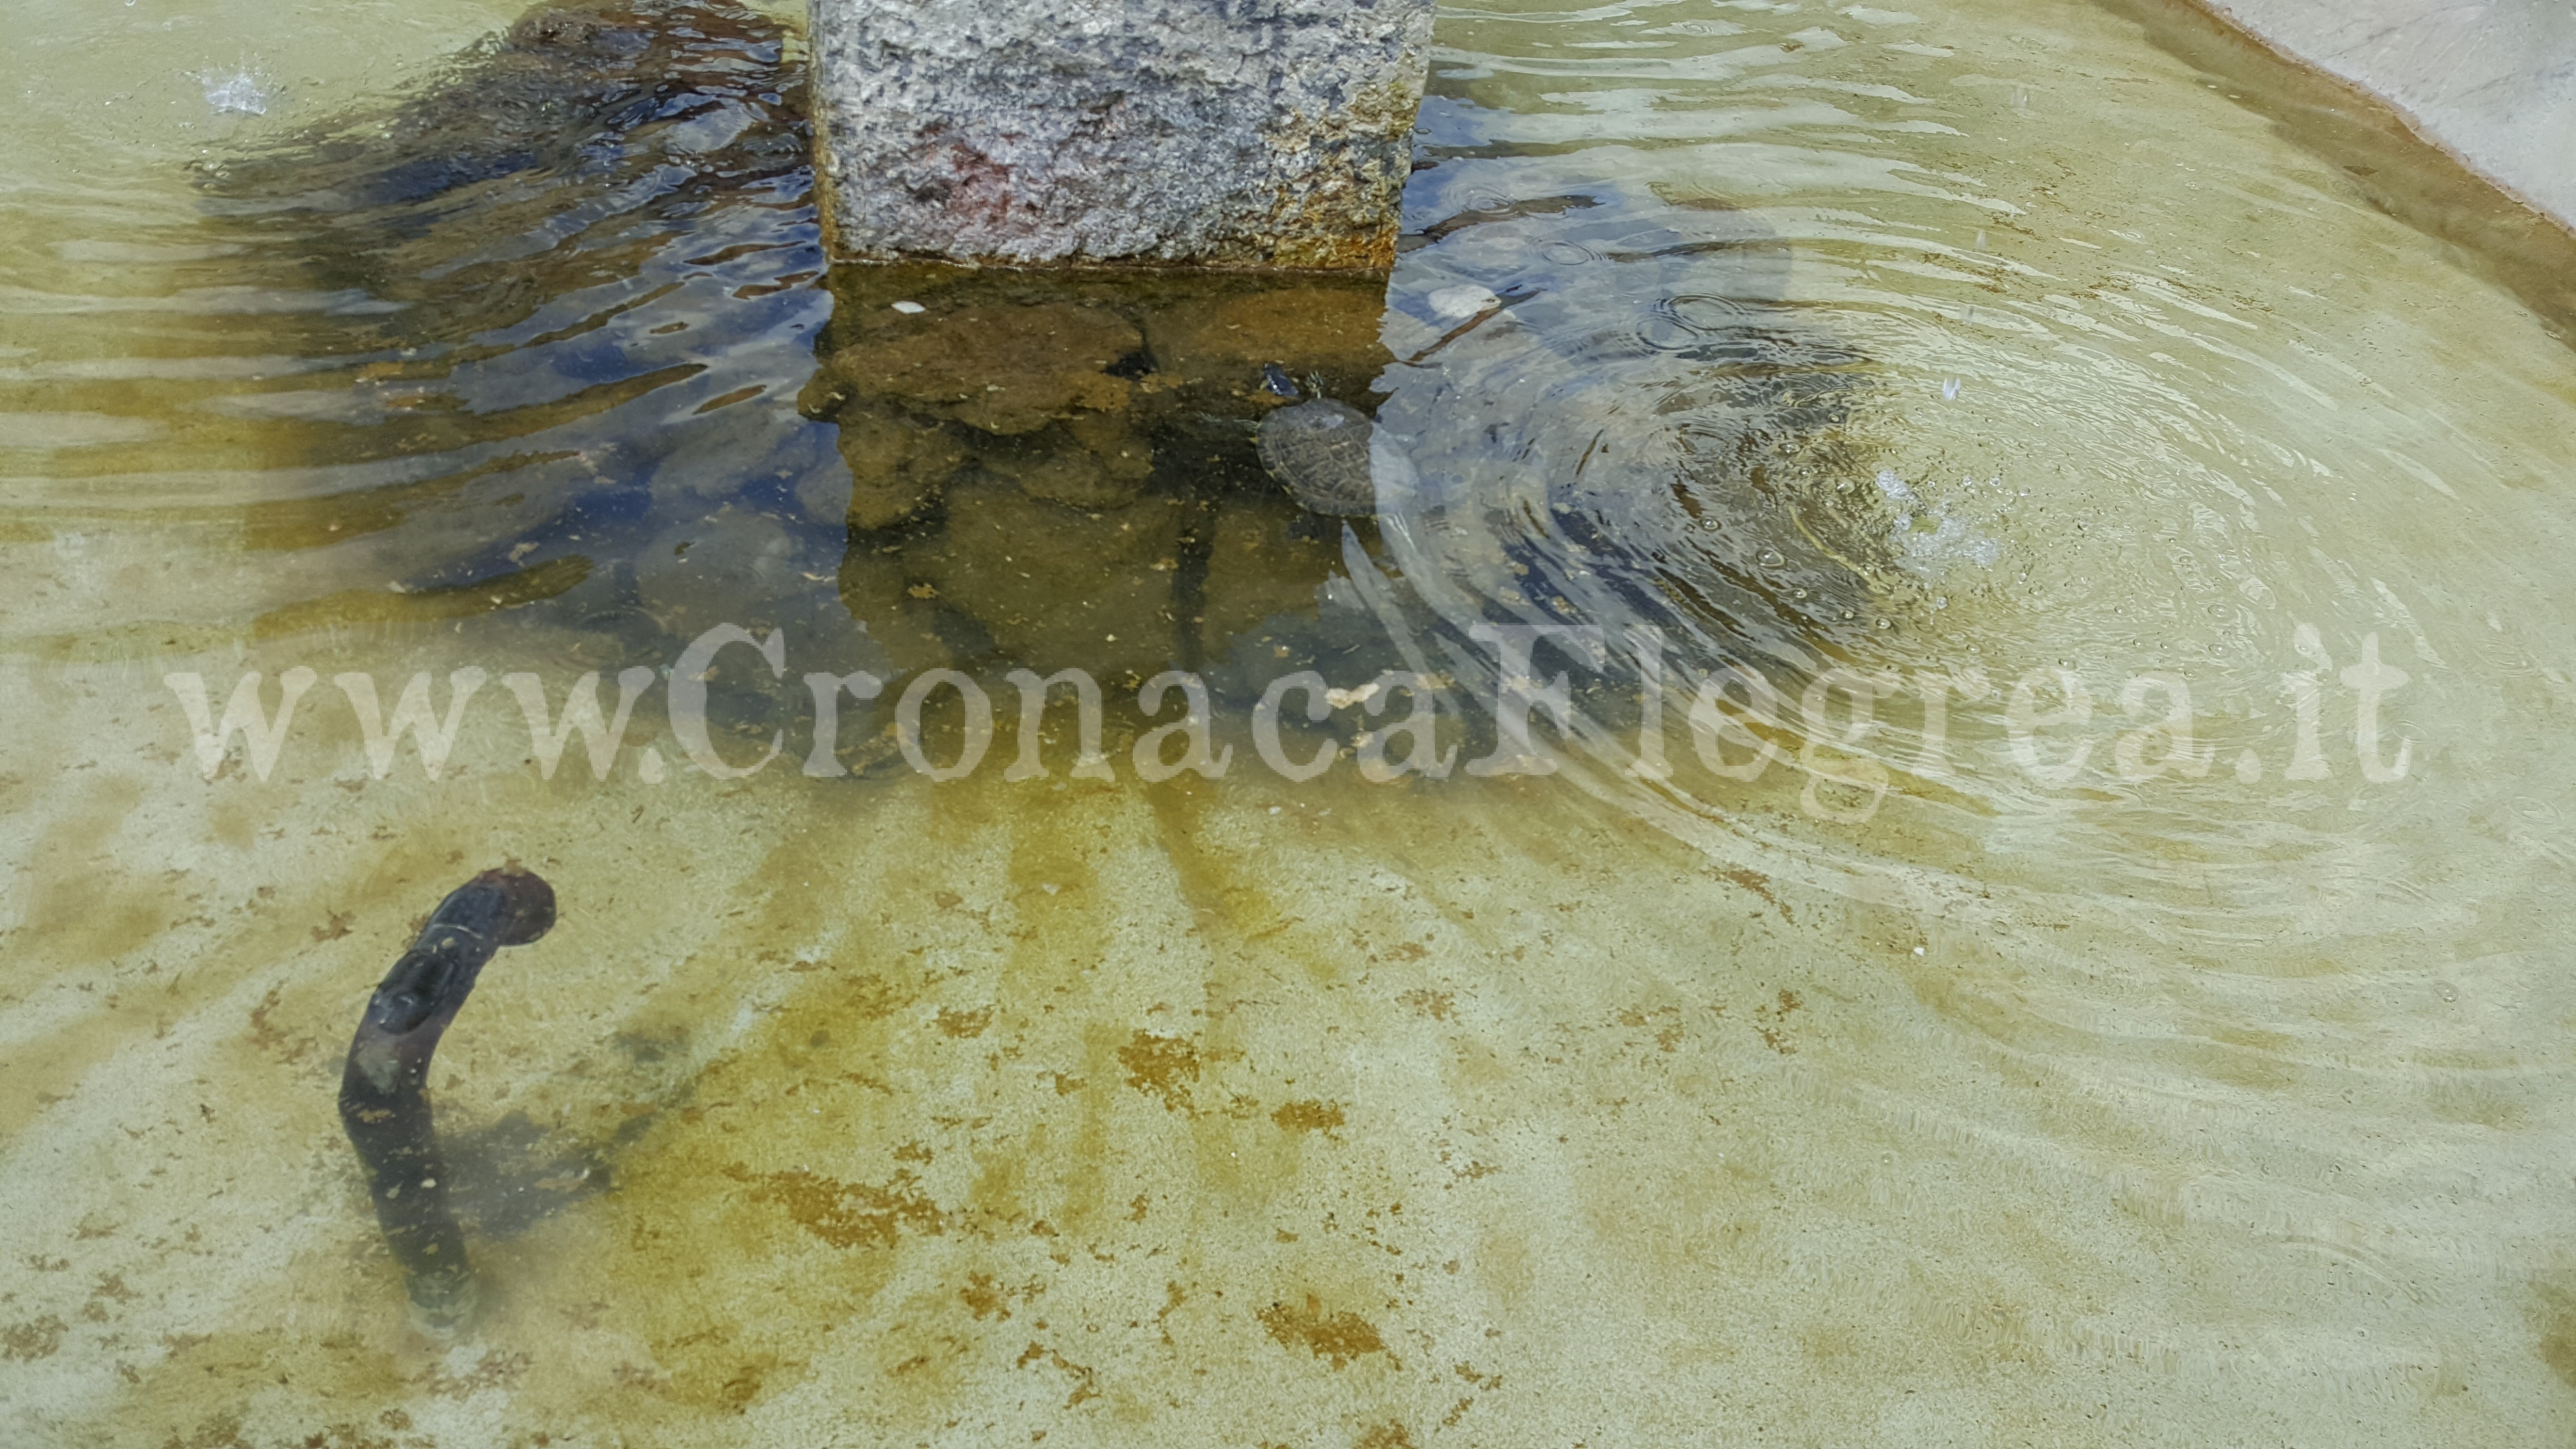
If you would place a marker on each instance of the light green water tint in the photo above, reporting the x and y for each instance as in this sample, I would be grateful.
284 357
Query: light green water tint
1578 1109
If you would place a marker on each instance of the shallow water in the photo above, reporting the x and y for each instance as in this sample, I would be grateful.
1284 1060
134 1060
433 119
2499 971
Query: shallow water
1934 1085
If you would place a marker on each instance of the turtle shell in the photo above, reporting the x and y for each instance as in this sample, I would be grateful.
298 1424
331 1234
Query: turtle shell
1319 451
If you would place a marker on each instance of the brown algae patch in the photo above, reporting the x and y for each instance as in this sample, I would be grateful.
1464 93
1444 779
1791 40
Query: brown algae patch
847 1214
1337 1337
1309 1116
1164 1066
32 1340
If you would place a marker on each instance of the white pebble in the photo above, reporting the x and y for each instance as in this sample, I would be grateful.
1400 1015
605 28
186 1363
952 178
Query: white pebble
1461 301
909 308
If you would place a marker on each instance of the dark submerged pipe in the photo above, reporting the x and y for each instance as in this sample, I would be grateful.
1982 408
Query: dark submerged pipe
381 1102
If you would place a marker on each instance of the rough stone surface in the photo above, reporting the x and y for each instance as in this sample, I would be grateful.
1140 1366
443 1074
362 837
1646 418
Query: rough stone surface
1084 388
2491 81
1251 133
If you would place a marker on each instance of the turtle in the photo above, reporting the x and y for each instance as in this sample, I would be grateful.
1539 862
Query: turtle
1318 450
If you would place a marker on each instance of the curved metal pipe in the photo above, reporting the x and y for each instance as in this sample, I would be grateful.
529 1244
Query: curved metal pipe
382 1104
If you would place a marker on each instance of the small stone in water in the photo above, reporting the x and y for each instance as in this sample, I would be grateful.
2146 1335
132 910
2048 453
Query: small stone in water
1461 301
909 308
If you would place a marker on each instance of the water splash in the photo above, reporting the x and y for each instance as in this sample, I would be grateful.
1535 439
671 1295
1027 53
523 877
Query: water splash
1949 540
241 90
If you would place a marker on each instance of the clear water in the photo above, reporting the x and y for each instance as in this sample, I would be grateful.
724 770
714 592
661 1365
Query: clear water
1930 1086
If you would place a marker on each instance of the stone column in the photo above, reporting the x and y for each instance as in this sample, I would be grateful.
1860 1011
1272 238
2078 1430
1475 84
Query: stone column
1225 133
